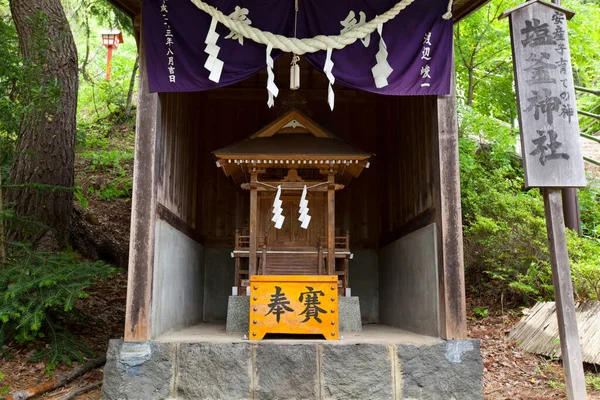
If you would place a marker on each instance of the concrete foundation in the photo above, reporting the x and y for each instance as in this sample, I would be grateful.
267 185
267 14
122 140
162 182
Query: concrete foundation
238 311
303 370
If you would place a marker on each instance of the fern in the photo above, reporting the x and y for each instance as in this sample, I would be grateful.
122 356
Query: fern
35 284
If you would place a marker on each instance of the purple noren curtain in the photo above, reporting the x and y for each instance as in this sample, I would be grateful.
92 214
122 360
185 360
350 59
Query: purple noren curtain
418 40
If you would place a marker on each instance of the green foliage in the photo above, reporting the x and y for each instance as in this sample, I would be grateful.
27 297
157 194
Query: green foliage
483 62
111 161
10 74
584 44
506 250
100 101
3 389
37 288
481 312
589 201
593 382
121 188
585 266
63 348
484 66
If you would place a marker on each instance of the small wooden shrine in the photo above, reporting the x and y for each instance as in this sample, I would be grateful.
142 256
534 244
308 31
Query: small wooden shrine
297 166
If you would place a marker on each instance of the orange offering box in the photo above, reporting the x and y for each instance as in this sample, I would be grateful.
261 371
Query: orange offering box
305 304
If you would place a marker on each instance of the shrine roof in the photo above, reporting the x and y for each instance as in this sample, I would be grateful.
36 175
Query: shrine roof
293 145
295 136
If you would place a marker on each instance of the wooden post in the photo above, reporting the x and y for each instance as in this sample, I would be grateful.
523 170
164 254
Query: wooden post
253 222
453 309
320 258
143 212
263 261
551 151
331 224
571 209
563 295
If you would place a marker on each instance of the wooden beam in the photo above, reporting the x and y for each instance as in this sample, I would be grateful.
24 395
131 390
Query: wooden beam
563 294
290 186
453 312
170 218
143 212
420 221
253 222
331 224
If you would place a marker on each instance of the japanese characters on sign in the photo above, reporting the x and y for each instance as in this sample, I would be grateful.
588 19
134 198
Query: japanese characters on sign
294 304
426 56
546 97
164 12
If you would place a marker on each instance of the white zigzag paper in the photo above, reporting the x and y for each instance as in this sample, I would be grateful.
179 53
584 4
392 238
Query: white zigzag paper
327 69
382 69
271 86
303 211
213 64
277 210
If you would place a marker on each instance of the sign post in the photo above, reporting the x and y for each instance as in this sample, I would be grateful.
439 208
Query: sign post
551 151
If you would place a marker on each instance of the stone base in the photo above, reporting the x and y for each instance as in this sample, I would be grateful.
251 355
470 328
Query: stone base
278 370
238 310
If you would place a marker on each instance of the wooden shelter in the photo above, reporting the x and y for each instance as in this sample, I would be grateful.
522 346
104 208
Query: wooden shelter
401 221
291 154
185 212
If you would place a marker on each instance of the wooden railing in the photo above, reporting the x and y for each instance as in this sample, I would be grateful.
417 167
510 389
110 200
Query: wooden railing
296 260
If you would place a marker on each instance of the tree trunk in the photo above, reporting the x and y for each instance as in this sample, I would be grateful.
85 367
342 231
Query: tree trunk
131 86
41 177
471 86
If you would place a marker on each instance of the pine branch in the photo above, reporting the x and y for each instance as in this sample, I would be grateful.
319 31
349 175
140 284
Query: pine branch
57 382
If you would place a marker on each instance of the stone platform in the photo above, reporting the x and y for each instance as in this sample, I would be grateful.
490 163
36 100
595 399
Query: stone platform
378 363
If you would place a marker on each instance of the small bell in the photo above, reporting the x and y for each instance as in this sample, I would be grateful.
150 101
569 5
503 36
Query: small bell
295 73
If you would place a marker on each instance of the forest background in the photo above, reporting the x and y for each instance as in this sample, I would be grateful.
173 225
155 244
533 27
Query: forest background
506 254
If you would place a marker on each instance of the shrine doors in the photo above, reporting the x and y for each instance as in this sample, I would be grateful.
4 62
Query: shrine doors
292 235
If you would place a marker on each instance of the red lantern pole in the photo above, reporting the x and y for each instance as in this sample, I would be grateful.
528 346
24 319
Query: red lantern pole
108 62
111 40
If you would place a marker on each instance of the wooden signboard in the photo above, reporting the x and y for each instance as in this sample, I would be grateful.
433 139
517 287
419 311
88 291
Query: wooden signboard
294 304
551 150
546 96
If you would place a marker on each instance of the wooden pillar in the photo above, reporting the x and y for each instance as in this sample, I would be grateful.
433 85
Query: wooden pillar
453 312
253 222
571 209
331 224
563 294
143 211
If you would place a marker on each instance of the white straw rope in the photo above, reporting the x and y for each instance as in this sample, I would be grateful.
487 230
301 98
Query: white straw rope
284 188
307 45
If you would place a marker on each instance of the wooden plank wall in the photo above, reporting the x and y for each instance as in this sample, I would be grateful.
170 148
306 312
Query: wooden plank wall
391 198
178 157
408 125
